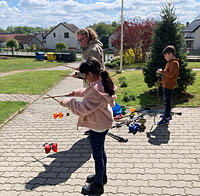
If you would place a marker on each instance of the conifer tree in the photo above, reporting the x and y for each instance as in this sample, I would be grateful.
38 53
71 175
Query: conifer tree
166 33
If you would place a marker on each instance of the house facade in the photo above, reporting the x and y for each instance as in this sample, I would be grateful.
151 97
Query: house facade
192 34
63 32
112 36
29 41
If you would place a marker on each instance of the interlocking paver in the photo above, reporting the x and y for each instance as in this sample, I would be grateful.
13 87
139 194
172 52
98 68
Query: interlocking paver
159 161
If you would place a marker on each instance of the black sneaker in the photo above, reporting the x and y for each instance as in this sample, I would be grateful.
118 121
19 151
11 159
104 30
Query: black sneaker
92 188
91 179
162 116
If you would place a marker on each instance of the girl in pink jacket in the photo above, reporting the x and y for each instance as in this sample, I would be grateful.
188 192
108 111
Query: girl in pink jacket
95 112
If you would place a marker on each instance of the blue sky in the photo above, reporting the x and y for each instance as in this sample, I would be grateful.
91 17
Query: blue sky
47 13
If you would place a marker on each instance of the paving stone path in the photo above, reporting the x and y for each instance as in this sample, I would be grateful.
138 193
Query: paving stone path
161 161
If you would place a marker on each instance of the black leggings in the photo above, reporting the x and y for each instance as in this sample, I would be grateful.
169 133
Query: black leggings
97 141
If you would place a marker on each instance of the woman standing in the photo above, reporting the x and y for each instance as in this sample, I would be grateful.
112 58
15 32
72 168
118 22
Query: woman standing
91 47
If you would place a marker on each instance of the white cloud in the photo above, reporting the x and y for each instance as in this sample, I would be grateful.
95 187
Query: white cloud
31 4
46 13
3 6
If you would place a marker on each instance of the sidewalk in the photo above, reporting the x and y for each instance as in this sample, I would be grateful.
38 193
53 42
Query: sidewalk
162 160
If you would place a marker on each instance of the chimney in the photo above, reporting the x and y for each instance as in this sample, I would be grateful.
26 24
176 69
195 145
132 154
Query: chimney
187 23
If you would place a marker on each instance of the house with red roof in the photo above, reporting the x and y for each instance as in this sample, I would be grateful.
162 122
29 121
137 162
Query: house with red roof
4 37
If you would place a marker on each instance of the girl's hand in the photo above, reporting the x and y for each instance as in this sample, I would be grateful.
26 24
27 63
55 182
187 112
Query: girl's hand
72 93
61 101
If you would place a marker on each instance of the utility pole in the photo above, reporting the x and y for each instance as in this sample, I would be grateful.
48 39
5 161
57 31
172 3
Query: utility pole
122 24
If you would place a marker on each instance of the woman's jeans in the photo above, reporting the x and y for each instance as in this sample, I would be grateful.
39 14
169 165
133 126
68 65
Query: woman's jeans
167 95
97 141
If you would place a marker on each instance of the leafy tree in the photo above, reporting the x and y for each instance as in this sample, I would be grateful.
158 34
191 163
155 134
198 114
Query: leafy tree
137 36
10 29
12 43
25 30
61 46
168 33
2 31
114 24
104 30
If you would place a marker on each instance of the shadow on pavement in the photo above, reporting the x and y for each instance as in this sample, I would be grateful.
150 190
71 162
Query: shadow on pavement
64 164
160 135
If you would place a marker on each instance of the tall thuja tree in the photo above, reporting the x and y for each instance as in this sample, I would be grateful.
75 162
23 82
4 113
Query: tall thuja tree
166 33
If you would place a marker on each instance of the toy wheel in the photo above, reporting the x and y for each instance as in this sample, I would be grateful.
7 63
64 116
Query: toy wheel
132 109
68 114
143 127
55 115
60 115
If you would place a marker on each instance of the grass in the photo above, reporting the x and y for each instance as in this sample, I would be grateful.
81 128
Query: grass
142 65
9 107
144 96
30 82
193 65
16 64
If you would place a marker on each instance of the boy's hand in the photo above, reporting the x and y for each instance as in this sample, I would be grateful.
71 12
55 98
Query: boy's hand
159 71
77 68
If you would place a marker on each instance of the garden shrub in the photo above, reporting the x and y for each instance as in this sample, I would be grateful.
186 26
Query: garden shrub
128 97
122 81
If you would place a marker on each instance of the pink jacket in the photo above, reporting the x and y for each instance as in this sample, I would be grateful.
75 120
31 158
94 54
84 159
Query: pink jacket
95 110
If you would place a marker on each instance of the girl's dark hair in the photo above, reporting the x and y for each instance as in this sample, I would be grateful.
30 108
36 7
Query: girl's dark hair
93 65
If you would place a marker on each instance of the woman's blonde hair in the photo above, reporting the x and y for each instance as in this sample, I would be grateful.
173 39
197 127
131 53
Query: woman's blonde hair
88 32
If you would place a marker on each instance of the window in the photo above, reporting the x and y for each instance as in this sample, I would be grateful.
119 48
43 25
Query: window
54 34
66 35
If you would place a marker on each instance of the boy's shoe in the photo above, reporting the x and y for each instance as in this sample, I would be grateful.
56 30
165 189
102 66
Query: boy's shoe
91 179
162 116
92 188
87 132
164 121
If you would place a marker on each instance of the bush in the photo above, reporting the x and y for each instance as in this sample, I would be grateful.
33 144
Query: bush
61 46
128 97
111 65
122 81
115 58
129 57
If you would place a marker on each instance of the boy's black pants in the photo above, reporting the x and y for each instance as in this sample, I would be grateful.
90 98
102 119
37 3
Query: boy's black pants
167 95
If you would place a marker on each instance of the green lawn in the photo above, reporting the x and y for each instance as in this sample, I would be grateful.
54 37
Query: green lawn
30 82
193 65
9 107
16 63
138 89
